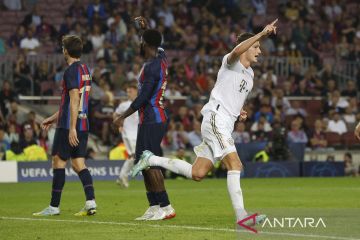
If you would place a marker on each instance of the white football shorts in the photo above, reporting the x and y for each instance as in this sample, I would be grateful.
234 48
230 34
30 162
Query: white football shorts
217 140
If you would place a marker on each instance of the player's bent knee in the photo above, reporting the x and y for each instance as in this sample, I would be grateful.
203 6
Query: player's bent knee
57 162
78 167
197 178
233 164
198 175
236 165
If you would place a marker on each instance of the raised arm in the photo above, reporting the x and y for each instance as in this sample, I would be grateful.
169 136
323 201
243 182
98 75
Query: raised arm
245 45
144 95
141 24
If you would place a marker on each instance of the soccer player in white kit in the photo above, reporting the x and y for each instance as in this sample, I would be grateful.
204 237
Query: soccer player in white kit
234 83
129 132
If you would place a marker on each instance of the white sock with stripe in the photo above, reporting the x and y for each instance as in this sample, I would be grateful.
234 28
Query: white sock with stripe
235 192
175 165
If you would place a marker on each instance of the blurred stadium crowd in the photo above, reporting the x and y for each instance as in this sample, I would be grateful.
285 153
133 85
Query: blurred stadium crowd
196 35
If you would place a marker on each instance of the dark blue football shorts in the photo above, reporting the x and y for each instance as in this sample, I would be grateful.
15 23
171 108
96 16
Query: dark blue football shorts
62 147
149 137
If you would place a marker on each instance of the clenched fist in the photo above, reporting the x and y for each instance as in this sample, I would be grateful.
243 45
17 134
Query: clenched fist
140 23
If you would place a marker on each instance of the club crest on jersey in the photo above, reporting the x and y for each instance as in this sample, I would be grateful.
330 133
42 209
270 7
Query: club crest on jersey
243 86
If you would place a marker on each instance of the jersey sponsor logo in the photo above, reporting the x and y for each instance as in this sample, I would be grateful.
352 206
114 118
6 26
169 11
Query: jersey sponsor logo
163 88
82 115
243 85
86 77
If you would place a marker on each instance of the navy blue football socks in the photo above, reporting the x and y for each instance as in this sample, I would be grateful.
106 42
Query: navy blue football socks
87 183
57 186
162 198
151 196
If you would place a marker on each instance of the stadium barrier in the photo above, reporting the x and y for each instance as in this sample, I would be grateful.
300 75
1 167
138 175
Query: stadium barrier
8 172
110 170
169 98
247 151
294 169
345 70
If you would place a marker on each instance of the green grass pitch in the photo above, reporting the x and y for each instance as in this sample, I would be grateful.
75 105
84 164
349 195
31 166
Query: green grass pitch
203 210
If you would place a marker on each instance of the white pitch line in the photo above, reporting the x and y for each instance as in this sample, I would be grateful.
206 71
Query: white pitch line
179 227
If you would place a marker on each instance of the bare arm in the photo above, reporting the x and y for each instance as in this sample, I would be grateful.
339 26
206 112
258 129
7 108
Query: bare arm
74 107
245 45
74 111
118 119
46 124
140 25
115 115
55 116
357 131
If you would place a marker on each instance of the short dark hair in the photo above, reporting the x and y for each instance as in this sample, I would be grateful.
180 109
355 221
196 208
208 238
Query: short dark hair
244 36
73 44
152 37
132 84
348 155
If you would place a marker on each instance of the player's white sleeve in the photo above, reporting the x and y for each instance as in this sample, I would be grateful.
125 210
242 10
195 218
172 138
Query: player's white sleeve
120 109
225 62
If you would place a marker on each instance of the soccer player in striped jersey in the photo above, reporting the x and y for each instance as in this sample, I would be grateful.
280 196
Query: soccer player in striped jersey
71 136
152 118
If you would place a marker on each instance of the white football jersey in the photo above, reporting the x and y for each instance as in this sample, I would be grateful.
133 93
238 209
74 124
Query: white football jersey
234 83
130 126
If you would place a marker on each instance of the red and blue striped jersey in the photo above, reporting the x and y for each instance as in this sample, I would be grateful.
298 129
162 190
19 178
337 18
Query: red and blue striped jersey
151 87
78 76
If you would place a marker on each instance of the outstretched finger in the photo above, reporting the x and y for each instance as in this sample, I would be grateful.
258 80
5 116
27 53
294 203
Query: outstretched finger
76 141
274 21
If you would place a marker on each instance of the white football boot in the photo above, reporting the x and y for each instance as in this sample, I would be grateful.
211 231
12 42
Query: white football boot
149 213
163 213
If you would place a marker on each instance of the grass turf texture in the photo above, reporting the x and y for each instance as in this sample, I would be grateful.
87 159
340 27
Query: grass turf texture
203 210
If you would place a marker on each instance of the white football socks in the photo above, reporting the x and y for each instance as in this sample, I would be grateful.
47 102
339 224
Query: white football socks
175 165
233 184
125 170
